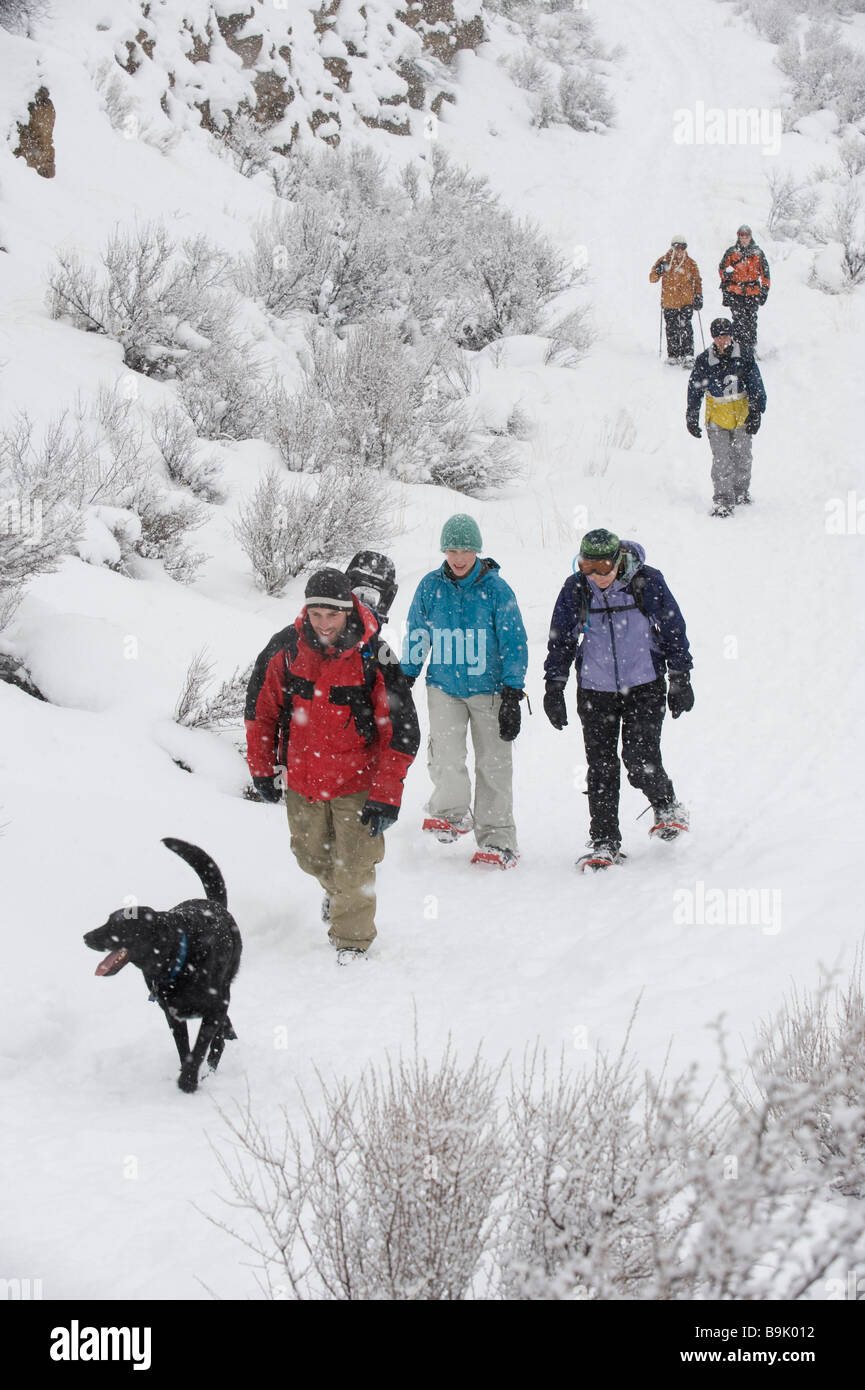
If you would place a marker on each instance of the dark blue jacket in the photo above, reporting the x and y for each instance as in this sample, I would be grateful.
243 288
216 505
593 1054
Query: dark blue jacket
651 623
734 375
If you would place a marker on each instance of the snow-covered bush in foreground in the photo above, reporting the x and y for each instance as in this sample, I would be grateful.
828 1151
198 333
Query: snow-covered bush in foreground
387 1195
197 708
593 1184
287 528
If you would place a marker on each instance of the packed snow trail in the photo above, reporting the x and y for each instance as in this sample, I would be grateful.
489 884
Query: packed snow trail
104 1146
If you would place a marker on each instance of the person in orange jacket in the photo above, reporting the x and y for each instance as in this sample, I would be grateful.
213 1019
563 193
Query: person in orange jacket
681 294
745 282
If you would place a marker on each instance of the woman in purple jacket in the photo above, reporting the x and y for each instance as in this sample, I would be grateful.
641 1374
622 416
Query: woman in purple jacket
617 623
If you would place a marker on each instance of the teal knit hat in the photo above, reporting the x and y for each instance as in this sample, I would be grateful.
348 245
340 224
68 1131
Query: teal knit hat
461 532
599 545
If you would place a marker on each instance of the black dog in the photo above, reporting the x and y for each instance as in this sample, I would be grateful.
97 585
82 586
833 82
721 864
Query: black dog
188 956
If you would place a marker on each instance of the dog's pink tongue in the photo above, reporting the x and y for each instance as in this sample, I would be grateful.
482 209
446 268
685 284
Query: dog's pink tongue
113 962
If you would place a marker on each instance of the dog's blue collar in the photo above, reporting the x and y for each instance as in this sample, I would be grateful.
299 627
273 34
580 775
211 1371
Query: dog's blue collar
176 967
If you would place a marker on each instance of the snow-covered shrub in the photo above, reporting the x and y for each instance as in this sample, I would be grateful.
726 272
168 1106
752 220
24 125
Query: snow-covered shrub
847 226
811 1070
584 103
851 155
333 249
19 15
570 338
388 1194
166 305
528 71
222 390
248 147
374 403
166 518
792 207
197 709
175 439
287 528
825 74
39 521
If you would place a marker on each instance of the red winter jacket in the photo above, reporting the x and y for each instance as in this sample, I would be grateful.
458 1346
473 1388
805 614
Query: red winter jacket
339 719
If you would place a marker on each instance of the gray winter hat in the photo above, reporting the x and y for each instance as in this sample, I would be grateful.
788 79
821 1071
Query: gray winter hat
328 588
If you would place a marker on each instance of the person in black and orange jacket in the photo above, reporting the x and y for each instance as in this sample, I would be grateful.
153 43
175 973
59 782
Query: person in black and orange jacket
745 284
328 706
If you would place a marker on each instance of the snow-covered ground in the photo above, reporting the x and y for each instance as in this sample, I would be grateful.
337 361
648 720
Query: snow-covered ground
107 1162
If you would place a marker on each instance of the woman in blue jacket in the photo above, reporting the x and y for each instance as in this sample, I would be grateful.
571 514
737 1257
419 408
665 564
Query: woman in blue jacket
465 619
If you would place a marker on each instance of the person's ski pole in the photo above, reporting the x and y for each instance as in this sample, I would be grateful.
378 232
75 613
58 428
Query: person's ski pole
700 322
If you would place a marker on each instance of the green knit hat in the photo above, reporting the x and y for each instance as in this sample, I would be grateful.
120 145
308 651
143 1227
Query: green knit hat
461 532
599 545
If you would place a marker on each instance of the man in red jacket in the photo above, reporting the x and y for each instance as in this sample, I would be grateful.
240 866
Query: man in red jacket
329 707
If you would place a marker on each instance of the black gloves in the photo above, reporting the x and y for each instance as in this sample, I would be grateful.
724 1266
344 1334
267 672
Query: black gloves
693 425
662 267
554 704
762 296
378 815
753 422
698 302
680 696
267 789
509 713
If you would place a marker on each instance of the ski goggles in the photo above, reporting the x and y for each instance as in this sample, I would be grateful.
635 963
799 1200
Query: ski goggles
587 566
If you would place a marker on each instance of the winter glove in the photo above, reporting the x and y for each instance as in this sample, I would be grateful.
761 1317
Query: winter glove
753 422
662 267
762 296
680 696
692 423
554 704
378 815
698 302
267 789
509 713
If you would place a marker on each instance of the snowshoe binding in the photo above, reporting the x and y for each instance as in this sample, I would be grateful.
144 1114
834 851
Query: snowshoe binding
446 831
600 855
496 858
670 821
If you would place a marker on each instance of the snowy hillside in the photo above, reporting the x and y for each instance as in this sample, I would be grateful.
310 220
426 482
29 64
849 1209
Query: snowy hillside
100 1141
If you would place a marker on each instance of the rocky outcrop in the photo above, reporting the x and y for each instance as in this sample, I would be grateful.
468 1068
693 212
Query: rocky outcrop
36 138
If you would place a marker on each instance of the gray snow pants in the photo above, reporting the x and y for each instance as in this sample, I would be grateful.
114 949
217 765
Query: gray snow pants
449 718
731 463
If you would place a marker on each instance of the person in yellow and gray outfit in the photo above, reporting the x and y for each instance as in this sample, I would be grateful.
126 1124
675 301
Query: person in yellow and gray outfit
730 379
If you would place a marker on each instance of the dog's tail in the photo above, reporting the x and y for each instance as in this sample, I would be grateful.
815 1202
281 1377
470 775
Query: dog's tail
211 878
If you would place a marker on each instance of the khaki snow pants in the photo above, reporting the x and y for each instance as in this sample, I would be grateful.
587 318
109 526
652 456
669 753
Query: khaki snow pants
329 841
449 718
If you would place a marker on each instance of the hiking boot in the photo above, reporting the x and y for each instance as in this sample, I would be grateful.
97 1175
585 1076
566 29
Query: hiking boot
602 854
347 955
496 858
721 509
670 821
446 831
744 499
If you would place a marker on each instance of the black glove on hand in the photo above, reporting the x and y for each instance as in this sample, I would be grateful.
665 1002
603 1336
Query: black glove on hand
693 425
509 713
698 302
378 815
662 267
267 789
680 696
762 296
753 422
554 705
